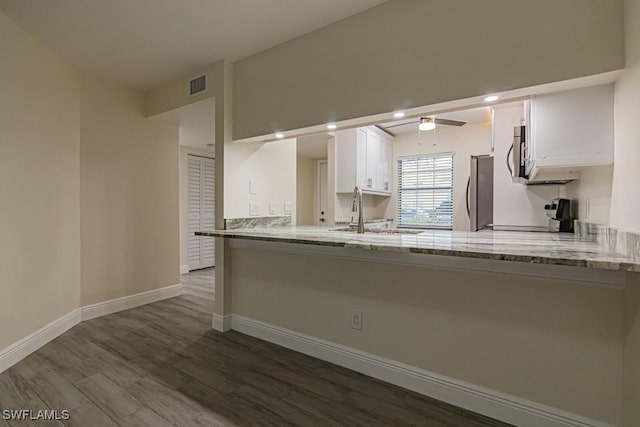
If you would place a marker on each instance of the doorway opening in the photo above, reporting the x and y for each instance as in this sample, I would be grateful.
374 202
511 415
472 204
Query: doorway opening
312 180
196 157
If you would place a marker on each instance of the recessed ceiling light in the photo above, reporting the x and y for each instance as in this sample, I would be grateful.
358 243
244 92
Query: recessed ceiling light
279 135
331 126
398 114
491 98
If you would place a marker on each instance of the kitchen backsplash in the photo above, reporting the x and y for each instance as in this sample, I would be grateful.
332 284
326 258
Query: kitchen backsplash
260 221
622 242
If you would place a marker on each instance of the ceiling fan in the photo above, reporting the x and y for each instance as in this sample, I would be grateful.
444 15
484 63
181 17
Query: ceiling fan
429 123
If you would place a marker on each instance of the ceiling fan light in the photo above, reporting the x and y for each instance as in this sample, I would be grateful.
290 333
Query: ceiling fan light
426 123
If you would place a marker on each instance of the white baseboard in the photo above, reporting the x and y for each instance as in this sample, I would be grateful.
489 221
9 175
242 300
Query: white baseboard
222 323
131 301
504 407
16 352
32 342
184 269
21 349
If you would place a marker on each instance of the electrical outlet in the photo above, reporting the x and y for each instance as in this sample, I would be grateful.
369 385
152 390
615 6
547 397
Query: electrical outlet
356 320
288 208
254 208
272 208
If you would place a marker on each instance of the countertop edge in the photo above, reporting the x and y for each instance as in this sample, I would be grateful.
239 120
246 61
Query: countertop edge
528 259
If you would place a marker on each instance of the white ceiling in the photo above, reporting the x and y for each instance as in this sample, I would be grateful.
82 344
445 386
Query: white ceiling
196 123
313 147
473 115
145 43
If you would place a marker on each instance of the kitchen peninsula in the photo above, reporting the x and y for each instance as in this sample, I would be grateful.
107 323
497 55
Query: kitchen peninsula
526 247
512 323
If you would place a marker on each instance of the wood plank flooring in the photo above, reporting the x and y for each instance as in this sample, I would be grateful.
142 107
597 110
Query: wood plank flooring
162 365
199 283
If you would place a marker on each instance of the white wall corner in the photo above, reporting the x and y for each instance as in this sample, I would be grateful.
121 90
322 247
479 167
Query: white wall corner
222 323
184 269
32 342
131 301
494 404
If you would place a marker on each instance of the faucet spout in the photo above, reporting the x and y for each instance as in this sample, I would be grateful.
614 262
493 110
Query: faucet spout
357 205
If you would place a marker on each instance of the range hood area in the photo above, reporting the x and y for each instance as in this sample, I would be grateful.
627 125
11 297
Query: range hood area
549 177
566 131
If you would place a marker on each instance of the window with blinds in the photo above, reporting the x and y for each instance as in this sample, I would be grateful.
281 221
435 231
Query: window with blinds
425 191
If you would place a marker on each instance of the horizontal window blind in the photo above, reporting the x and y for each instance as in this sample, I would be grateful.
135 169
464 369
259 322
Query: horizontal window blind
425 191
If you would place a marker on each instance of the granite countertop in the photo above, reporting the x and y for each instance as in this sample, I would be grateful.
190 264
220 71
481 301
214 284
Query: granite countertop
531 247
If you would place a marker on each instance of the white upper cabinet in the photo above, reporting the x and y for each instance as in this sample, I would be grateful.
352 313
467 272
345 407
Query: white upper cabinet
364 158
572 128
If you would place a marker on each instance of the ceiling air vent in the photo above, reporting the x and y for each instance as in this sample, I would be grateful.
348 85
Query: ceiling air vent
197 85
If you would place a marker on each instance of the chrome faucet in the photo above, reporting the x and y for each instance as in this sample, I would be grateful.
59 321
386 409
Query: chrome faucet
357 206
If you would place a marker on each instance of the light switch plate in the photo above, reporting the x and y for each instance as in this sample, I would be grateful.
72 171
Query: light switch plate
288 208
272 208
587 208
356 319
254 208
252 187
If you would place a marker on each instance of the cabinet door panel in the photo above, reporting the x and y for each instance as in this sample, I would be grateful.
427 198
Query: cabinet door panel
364 159
361 158
574 128
387 165
373 161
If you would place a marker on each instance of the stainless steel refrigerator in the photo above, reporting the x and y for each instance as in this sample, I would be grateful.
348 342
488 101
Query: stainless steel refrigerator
480 192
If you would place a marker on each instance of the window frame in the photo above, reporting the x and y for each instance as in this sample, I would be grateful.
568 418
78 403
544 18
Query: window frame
399 190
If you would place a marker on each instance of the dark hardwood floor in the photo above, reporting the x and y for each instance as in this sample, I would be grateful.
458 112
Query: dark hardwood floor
162 365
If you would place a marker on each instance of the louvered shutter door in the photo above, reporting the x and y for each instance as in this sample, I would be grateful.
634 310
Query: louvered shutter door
200 211
425 191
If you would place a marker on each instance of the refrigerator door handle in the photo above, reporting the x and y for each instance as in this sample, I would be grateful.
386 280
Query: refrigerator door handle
509 160
467 198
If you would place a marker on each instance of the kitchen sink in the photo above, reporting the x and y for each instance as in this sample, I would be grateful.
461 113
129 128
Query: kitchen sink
380 230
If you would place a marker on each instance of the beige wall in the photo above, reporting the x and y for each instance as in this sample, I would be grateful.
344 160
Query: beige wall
92 205
176 94
631 365
39 185
271 166
625 200
184 182
129 195
331 181
399 55
471 139
306 190
594 185
551 342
